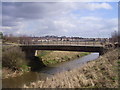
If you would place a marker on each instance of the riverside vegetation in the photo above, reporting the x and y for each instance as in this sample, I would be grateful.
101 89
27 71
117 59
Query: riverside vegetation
99 73
14 62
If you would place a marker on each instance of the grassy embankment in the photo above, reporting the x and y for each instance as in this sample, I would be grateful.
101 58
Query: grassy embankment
102 72
53 57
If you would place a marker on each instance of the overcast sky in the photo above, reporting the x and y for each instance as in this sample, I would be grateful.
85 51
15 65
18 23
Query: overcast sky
60 19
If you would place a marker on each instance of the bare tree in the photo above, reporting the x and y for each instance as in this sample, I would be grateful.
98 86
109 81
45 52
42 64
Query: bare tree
115 37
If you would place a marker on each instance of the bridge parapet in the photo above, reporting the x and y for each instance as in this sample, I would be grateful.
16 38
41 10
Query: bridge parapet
80 43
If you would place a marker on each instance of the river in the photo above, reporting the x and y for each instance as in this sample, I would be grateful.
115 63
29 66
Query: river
27 78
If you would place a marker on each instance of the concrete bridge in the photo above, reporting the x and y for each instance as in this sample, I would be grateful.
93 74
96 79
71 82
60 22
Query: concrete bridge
31 49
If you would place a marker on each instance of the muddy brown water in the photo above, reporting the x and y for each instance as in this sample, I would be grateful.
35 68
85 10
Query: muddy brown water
27 78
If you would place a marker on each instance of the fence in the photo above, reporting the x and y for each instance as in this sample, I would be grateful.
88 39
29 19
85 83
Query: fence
78 43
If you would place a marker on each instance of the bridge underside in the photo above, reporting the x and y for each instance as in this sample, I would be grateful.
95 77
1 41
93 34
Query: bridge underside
30 49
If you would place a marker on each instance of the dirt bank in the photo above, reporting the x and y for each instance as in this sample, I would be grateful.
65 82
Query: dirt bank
102 72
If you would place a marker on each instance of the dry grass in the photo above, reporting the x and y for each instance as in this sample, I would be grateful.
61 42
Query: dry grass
13 58
14 62
95 74
6 73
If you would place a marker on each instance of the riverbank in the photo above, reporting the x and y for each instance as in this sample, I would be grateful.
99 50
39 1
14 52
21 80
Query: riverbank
6 73
15 63
99 73
53 57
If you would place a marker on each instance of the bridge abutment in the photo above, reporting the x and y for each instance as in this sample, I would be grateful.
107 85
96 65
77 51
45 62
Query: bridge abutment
30 54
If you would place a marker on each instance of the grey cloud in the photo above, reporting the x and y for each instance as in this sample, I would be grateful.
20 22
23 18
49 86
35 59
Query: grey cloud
30 10
50 18
12 12
9 21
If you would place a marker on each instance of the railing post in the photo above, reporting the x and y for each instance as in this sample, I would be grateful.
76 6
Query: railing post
77 42
93 43
48 41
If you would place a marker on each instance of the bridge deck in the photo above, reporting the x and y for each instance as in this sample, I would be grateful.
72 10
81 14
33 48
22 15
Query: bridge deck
63 48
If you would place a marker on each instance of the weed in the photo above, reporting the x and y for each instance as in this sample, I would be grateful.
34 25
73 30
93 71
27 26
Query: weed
13 58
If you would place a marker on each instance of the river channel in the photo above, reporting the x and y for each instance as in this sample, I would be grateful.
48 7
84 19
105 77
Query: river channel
49 71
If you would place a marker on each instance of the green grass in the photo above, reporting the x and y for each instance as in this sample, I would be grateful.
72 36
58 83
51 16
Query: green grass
66 57
24 68
50 62
118 62
84 53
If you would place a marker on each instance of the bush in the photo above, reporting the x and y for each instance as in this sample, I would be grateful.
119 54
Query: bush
13 58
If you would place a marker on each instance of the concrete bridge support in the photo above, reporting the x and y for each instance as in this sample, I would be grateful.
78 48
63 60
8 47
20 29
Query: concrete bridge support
36 52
